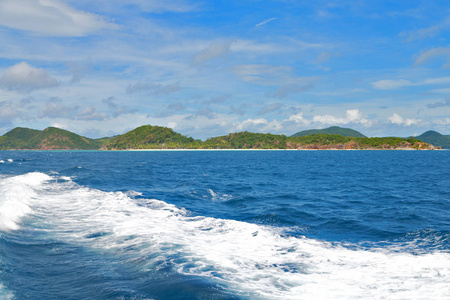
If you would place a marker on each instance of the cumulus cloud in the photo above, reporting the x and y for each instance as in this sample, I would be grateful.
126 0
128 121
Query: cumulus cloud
440 52
351 116
153 88
399 120
24 78
258 125
215 50
389 84
297 119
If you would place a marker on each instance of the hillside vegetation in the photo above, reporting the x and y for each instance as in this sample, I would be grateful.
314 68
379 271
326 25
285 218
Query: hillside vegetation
156 137
336 141
435 138
151 137
330 130
47 139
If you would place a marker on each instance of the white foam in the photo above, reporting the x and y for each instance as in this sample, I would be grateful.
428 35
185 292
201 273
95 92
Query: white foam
2 161
16 193
10 160
219 196
251 260
5 294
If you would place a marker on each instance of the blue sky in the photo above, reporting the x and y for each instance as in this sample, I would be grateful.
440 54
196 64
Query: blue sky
208 68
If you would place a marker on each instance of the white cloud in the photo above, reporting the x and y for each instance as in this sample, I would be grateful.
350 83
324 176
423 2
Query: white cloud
265 22
392 84
160 6
251 122
258 125
439 80
399 120
389 84
299 119
351 116
25 78
50 17
445 121
172 125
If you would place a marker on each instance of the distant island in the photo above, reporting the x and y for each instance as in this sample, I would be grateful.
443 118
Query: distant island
156 137
331 130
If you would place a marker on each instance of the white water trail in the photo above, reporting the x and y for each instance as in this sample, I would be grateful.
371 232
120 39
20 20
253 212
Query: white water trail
250 260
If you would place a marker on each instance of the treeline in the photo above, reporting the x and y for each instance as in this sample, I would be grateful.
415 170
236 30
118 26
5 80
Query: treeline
156 137
47 139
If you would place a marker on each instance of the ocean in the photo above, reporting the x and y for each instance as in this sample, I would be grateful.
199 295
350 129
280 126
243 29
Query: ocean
225 225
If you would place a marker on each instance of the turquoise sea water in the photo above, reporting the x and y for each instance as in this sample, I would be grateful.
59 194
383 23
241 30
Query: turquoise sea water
225 225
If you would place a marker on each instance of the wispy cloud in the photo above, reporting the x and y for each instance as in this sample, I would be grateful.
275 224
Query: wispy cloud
50 17
153 88
427 32
392 84
440 52
444 103
215 50
265 22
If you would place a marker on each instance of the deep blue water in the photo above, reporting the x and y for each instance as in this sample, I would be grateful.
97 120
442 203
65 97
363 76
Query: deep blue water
225 225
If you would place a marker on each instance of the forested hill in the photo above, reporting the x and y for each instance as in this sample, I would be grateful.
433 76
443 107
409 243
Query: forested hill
156 137
47 139
435 138
151 137
331 130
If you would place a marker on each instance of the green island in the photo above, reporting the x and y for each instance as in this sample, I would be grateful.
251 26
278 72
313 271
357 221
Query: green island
156 137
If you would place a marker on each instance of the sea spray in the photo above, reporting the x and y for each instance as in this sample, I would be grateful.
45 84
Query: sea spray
247 259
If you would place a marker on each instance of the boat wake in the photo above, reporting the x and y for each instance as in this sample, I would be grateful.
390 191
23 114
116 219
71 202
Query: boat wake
245 259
